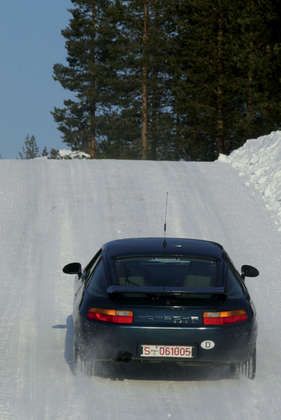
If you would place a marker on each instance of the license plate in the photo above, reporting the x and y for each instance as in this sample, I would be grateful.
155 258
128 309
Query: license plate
162 351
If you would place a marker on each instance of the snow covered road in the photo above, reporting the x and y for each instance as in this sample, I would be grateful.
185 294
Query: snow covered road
54 212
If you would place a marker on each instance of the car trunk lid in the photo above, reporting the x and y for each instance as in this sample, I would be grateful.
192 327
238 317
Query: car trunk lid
167 306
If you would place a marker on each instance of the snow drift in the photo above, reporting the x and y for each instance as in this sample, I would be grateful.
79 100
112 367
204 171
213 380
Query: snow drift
258 160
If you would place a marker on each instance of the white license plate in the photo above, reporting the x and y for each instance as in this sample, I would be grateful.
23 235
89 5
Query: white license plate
183 352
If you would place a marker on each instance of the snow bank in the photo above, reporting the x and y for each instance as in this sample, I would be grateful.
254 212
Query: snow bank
259 160
68 154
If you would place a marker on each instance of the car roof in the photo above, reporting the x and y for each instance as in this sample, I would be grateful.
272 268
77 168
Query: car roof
156 245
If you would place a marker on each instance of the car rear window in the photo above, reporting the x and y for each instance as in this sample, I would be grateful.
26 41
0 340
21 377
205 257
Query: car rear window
98 283
234 288
172 271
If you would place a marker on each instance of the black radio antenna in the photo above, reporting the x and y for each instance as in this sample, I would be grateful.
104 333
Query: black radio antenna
165 221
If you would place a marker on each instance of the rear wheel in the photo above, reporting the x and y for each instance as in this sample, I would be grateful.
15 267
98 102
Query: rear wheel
82 362
85 366
88 367
246 368
76 356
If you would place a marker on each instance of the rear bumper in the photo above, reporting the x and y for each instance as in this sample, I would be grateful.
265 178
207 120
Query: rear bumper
112 342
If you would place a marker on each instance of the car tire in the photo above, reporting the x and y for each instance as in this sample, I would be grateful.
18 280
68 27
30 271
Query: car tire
76 360
88 367
235 370
249 366
246 368
82 362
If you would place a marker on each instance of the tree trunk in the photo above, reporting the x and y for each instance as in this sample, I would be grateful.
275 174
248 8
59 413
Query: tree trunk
220 122
251 64
92 141
154 115
155 89
144 130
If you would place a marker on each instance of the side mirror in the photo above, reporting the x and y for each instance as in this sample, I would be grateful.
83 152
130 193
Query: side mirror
249 271
73 268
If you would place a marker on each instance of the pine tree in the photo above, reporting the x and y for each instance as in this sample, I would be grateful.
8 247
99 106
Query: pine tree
88 74
161 119
222 75
145 78
30 149
198 69
166 79
45 152
54 153
258 70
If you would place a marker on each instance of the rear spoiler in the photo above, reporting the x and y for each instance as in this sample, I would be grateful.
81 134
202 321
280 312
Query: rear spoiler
164 291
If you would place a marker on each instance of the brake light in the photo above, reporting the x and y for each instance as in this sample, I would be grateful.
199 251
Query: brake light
113 316
225 317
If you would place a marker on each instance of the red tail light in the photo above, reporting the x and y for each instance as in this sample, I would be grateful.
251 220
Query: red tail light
225 317
113 316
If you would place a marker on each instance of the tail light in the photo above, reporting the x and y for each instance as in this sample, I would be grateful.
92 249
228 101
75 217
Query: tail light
113 316
225 317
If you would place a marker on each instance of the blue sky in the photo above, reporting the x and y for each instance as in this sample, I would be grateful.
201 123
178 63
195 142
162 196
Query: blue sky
30 43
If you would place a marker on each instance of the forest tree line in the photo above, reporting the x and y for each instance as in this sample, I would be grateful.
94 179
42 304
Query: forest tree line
169 79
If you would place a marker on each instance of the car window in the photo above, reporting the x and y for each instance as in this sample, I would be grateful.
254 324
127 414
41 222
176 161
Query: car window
91 266
234 288
98 283
172 271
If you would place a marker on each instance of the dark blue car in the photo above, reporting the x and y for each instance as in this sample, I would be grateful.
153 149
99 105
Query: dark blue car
173 300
